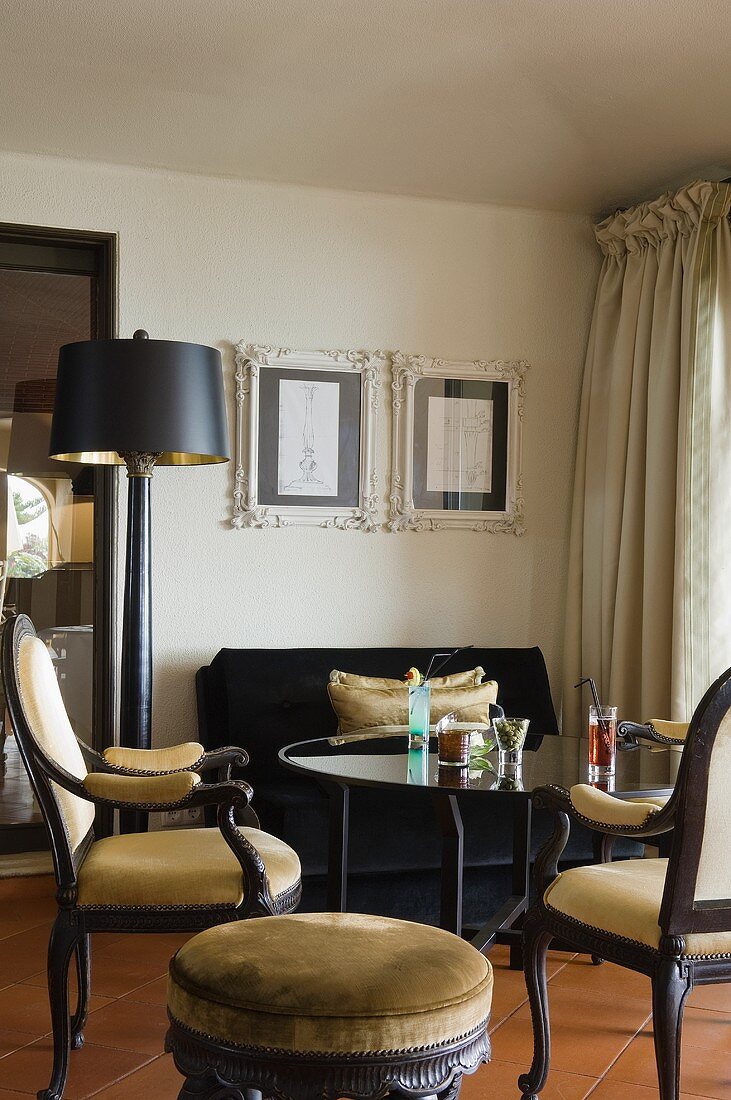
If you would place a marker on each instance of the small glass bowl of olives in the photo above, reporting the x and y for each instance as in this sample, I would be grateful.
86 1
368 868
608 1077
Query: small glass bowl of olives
510 736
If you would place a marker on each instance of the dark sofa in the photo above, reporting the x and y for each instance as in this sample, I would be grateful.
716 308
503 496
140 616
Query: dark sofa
264 699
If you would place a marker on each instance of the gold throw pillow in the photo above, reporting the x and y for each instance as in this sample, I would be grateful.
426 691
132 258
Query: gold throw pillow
360 708
457 679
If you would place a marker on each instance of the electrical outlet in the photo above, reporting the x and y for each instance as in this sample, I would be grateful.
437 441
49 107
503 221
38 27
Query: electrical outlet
179 819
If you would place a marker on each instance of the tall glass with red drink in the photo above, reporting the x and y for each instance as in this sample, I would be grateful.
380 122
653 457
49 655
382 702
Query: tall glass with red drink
602 741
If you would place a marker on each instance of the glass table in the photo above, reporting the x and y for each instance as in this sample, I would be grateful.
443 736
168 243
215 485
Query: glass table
339 763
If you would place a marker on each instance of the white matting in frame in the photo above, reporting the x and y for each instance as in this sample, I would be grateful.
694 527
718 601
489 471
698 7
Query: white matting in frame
310 403
462 443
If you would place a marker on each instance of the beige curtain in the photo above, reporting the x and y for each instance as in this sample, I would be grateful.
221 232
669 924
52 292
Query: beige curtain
649 594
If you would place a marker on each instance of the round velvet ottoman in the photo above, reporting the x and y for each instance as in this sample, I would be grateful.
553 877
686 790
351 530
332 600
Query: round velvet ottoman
324 1005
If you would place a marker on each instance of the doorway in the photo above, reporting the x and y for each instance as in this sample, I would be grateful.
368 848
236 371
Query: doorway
57 520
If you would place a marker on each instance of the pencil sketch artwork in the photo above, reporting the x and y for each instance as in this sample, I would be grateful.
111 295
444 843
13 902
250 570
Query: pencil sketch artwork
459 445
309 419
473 446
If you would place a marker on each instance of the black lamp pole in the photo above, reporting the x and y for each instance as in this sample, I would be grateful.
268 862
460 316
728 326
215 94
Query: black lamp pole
135 716
143 403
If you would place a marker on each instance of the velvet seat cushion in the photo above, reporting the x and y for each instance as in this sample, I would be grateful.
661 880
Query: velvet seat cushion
330 983
624 899
179 867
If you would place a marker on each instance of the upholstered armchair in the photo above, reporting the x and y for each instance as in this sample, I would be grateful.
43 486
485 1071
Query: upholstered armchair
174 879
667 918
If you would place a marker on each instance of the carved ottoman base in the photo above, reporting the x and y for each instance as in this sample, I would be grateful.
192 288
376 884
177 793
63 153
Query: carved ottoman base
217 1072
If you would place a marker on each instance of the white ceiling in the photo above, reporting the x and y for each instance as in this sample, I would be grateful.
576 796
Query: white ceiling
563 104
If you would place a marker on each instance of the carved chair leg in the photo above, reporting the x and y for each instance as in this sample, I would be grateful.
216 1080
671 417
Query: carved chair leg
83 974
670 987
61 947
536 941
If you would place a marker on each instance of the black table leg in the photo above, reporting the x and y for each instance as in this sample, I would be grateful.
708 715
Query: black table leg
337 864
507 923
521 872
450 824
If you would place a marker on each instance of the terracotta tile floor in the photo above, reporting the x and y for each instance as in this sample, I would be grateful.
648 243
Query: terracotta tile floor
602 1035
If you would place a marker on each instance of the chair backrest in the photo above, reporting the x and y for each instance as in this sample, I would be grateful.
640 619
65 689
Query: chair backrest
47 743
697 896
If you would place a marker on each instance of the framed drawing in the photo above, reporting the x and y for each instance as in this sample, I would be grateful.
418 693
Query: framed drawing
305 437
457 444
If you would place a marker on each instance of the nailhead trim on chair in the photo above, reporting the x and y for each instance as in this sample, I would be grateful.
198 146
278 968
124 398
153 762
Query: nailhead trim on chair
662 737
118 769
626 939
604 826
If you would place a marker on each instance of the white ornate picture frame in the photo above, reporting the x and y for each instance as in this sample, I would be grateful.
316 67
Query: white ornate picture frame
249 509
407 371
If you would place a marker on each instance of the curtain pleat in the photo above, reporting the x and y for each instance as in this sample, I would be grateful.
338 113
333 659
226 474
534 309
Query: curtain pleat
642 610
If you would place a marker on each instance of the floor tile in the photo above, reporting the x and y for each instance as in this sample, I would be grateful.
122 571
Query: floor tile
705 1070
158 1079
12 1039
499 1081
154 993
715 997
128 1025
604 980
26 1008
23 954
608 1090
92 1068
113 975
35 886
509 990
589 1029
6 1094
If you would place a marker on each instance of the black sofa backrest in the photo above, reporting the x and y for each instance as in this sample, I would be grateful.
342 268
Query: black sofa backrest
264 699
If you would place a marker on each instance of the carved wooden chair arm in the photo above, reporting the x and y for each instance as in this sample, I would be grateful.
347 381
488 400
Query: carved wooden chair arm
618 816
562 804
150 791
156 792
223 760
657 730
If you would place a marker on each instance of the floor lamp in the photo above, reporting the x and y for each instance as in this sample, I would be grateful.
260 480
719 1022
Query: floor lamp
142 403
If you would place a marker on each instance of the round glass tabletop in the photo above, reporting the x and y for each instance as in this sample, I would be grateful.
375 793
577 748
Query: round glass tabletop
387 762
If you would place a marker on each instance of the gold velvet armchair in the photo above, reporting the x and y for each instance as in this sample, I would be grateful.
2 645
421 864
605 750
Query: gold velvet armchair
667 918
183 880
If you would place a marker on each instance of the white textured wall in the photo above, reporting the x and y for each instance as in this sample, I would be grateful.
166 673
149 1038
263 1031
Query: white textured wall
214 260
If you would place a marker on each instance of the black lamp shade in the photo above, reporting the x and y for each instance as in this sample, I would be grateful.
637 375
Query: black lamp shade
115 396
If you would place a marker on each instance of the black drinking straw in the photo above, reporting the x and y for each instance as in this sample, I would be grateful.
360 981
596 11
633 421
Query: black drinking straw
447 657
601 721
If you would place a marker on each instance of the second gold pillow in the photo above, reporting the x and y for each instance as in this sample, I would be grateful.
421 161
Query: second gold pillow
360 708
